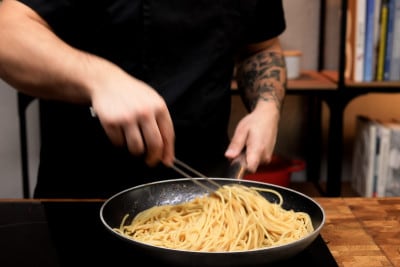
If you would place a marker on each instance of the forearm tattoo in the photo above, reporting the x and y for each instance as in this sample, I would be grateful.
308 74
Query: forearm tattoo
262 77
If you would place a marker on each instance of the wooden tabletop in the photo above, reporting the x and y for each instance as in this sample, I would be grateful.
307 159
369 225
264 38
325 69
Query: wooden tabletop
362 232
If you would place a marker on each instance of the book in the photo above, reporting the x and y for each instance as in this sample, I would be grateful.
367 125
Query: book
392 183
363 161
355 40
377 13
394 74
359 51
382 40
389 39
349 43
381 158
375 163
369 49
376 38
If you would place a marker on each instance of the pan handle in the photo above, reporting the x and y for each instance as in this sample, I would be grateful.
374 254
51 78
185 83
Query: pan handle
238 167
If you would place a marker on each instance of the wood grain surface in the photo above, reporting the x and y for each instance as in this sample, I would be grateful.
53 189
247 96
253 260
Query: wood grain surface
362 232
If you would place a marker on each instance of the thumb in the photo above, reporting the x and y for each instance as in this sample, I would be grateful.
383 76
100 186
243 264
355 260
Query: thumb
236 146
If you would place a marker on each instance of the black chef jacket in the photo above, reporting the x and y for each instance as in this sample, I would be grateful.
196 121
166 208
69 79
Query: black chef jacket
183 49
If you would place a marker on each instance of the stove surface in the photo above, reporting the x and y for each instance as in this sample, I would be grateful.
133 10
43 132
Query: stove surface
51 234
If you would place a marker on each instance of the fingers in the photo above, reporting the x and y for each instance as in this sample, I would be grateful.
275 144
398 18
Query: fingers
134 139
256 142
236 146
133 114
152 136
241 143
253 155
158 139
115 134
252 152
146 133
168 138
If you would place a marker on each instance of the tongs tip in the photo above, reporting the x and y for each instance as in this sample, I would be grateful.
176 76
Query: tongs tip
179 163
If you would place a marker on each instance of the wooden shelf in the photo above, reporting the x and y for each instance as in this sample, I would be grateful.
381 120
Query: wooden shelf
334 77
311 80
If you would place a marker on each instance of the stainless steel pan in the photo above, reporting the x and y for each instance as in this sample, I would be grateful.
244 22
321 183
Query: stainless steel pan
136 199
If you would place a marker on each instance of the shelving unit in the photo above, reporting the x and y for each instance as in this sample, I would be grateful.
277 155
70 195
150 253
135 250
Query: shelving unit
316 87
332 88
337 101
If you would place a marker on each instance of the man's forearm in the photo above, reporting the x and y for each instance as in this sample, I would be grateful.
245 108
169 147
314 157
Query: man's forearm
35 61
262 76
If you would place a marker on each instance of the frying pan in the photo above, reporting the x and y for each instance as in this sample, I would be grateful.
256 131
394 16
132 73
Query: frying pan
133 200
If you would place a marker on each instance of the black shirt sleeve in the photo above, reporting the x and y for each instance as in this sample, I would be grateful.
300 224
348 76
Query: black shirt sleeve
268 22
267 18
51 11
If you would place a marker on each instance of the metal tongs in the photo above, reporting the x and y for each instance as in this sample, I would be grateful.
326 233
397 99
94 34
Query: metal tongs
178 165
237 170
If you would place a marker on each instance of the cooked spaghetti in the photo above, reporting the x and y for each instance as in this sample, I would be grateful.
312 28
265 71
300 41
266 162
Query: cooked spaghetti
234 218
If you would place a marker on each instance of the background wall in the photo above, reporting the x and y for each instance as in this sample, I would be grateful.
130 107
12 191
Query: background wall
301 34
10 181
10 156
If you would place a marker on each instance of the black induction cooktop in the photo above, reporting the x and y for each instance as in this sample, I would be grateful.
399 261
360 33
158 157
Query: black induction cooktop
70 233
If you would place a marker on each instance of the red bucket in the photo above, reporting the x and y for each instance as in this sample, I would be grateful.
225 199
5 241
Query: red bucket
277 172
